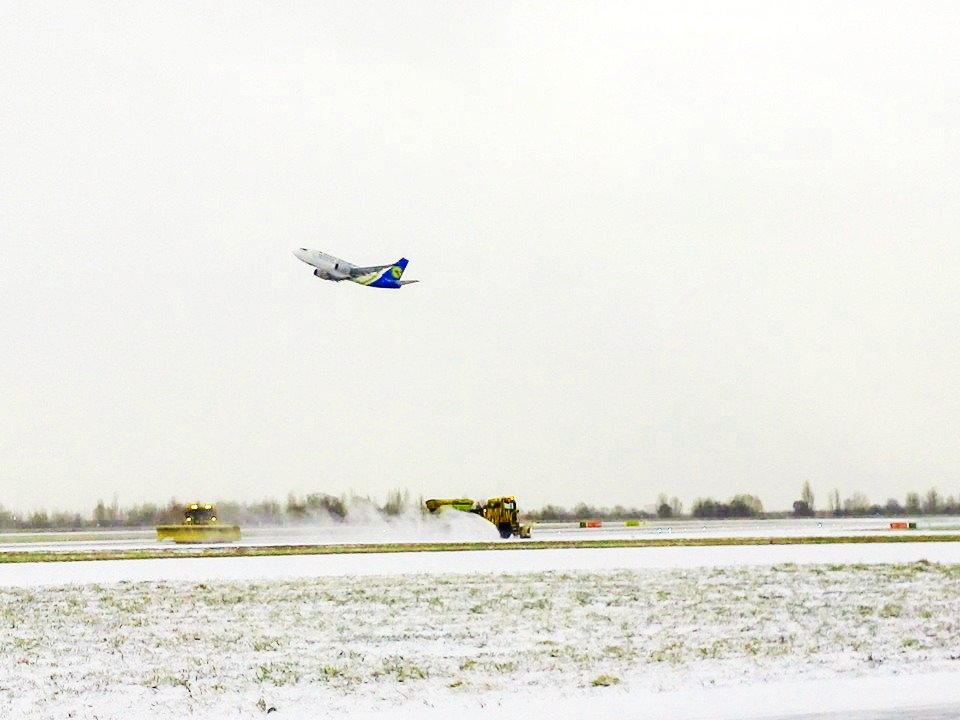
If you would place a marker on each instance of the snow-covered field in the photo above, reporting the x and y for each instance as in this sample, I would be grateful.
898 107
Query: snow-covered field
667 632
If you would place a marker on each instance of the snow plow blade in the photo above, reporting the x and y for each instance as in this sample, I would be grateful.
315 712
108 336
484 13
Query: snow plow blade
198 533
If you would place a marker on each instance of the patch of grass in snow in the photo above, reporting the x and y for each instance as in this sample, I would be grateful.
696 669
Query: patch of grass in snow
25 643
906 571
278 674
397 668
891 610
751 647
671 653
160 677
583 598
616 651
605 681
541 603
267 644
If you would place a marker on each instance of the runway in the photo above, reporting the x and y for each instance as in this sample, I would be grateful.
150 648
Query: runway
467 528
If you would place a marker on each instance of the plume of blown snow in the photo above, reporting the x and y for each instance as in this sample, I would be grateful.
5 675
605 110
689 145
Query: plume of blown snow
366 523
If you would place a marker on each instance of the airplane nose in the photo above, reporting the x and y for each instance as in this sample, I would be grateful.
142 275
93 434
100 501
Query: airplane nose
301 254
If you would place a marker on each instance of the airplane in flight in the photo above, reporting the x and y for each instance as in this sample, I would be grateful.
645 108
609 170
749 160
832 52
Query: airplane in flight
331 268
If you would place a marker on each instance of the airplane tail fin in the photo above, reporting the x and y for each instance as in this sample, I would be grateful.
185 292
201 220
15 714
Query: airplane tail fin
398 267
390 277
396 271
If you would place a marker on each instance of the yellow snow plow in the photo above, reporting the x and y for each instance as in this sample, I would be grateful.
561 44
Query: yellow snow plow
501 511
200 525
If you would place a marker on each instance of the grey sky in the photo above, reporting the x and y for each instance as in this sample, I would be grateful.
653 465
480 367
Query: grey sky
692 248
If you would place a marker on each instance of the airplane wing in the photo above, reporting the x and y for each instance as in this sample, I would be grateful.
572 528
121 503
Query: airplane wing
358 271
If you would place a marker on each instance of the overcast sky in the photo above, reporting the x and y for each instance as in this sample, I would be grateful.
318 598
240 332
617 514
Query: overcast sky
690 248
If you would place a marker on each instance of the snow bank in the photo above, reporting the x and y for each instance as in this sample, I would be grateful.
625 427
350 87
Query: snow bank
466 562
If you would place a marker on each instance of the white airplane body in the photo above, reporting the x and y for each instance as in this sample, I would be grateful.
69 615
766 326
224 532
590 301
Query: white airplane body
328 267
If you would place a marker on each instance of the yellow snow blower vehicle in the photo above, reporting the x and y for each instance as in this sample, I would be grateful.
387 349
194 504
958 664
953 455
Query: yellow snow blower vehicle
501 511
200 525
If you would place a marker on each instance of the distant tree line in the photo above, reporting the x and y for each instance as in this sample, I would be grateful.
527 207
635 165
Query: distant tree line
750 506
581 511
320 506
739 506
858 505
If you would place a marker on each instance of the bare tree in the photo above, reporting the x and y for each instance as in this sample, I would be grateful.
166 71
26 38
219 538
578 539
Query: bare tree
913 503
856 504
752 502
806 495
833 502
932 502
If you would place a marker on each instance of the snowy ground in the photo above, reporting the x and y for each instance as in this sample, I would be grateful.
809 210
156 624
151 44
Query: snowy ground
676 632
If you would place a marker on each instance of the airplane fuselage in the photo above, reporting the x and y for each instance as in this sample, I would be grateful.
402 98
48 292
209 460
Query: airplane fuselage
327 266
